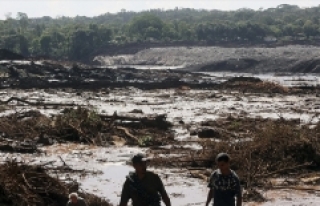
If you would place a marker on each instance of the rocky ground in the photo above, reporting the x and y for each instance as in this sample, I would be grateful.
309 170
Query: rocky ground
296 59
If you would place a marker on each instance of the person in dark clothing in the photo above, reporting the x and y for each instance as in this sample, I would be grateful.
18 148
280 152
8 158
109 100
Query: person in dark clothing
143 187
224 184
74 200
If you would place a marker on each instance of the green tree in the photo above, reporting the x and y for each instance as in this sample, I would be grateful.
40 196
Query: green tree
10 42
275 31
310 29
24 45
185 32
169 33
81 44
35 47
8 23
77 37
45 44
244 14
23 20
37 30
152 32
105 35
146 25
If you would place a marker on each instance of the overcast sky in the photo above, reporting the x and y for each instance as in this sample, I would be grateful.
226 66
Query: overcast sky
54 8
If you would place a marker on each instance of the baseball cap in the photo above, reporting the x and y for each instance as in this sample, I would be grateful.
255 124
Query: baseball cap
137 158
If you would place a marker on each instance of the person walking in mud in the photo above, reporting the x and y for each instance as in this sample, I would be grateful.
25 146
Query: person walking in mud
143 187
75 200
224 184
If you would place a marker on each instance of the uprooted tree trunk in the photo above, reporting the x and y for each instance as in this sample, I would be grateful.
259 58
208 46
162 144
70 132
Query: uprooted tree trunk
22 132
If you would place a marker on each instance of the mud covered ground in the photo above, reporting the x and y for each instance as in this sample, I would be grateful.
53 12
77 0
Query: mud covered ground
49 74
270 127
293 59
75 127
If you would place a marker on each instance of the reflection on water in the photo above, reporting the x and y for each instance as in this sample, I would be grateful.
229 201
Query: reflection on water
182 190
109 184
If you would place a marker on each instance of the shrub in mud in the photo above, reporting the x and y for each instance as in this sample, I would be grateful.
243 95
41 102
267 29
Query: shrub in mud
146 141
77 123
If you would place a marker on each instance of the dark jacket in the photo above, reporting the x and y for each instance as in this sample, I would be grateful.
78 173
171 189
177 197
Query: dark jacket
143 192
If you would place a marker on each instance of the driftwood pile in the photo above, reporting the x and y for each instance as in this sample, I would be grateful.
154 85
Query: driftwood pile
261 149
24 185
22 132
265 148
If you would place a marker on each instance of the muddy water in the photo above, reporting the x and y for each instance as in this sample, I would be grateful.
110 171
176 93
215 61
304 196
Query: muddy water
111 168
191 107
289 198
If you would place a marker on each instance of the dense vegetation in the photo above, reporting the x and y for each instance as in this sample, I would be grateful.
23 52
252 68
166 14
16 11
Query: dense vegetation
74 38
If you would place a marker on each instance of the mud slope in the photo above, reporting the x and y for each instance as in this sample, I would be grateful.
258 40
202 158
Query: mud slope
299 59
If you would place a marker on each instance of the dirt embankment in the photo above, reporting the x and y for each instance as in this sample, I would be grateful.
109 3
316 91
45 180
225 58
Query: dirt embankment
55 75
133 48
296 59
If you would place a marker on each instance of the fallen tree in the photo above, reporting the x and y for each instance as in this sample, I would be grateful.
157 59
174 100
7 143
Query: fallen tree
22 132
24 185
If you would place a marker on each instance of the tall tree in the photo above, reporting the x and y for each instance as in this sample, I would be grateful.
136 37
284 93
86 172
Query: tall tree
45 44
24 45
310 29
23 20
146 25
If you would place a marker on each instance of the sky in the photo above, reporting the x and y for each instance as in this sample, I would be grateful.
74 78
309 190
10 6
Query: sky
55 8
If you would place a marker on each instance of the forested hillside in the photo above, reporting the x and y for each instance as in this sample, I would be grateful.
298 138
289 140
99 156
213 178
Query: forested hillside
74 38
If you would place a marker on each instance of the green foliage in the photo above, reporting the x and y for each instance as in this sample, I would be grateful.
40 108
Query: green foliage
76 38
24 45
80 116
45 44
146 26
235 125
145 141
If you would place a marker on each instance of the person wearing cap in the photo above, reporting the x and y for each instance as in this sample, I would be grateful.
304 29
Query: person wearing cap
224 184
75 200
143 187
